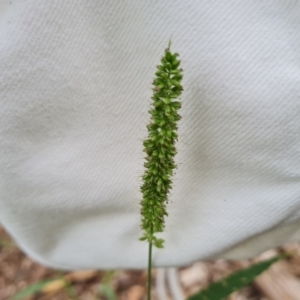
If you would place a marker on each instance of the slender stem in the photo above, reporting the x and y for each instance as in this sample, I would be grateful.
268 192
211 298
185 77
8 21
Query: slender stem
149 270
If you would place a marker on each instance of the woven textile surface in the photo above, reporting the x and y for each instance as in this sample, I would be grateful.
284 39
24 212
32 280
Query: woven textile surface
75 89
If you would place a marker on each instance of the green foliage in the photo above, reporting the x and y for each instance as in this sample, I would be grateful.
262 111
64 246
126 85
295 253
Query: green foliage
223 288
160 146
71 291
31 290
107 292
105 288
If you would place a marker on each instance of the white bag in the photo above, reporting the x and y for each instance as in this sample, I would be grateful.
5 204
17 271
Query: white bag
75 88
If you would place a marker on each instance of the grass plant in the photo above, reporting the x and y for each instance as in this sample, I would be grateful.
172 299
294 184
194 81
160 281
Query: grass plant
160 151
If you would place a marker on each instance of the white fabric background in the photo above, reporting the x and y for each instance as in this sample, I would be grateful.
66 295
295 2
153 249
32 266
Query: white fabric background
75 88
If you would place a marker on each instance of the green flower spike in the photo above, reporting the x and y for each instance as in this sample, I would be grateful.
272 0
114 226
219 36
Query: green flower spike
160 146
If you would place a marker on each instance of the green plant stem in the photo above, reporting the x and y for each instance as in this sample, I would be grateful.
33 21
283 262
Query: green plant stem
149 270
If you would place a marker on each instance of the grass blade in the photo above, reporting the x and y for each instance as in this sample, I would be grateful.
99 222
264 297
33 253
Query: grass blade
30 290
223 288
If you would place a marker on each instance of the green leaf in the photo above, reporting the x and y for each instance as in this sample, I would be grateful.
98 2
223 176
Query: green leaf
108 292
105 288
30 290
223 288
71 291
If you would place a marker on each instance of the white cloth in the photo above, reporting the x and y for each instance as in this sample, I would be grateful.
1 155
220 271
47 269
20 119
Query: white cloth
75 88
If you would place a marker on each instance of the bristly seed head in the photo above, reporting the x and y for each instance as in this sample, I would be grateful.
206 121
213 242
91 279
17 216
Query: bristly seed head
160 146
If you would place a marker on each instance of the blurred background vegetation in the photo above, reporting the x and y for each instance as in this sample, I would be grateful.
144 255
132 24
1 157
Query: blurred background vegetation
22 278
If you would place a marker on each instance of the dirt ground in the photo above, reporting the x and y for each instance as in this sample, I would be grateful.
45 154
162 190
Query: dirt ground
17 271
